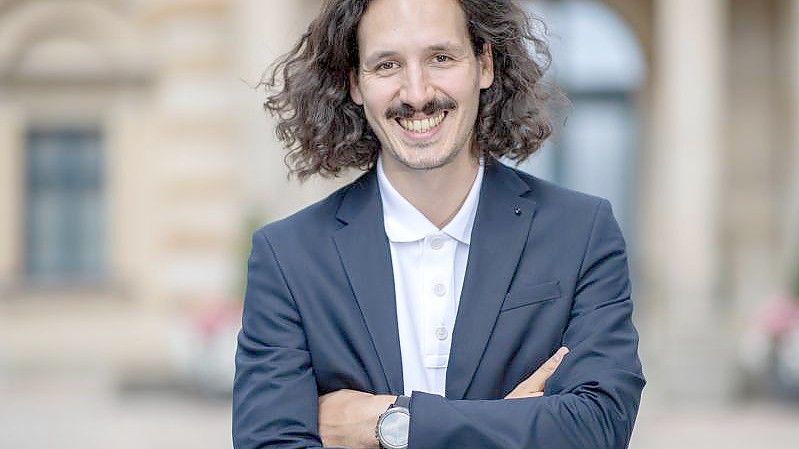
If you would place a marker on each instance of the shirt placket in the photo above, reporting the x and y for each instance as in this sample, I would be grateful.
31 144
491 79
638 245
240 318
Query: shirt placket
438 256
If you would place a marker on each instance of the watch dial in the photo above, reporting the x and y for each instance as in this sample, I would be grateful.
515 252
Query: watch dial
394 429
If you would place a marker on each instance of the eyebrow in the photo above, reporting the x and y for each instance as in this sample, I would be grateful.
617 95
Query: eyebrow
371 60
446 46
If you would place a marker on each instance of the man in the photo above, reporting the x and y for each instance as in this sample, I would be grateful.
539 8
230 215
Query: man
421 305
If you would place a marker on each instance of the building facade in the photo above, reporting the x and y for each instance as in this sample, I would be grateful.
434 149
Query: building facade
135 159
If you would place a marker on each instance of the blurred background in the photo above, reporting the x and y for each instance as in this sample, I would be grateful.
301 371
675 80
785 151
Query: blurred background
136 160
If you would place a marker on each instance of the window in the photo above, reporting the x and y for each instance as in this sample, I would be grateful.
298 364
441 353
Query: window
65 214
599 63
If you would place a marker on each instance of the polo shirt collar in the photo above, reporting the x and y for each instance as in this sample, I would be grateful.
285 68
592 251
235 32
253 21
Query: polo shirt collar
404 223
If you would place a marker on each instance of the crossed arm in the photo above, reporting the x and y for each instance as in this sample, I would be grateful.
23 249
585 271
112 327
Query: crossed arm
347 418
590 401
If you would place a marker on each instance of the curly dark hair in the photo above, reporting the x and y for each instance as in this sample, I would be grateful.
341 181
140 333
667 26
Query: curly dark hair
324 131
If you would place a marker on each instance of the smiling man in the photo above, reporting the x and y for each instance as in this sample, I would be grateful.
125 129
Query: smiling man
432 302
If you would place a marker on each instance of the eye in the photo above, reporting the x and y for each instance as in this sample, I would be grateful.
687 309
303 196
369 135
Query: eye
441 59
386 65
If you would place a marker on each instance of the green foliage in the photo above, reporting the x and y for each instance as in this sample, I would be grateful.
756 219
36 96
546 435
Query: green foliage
252 221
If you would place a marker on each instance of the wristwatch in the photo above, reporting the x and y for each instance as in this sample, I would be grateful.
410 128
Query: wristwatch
394 424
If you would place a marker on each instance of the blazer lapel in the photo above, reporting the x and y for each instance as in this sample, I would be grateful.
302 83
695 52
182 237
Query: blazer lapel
364 250
499 235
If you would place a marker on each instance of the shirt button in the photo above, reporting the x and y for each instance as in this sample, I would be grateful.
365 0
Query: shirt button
437 243
441 333
439 289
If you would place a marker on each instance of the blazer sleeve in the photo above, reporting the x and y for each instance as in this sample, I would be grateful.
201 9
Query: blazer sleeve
592 399
275 401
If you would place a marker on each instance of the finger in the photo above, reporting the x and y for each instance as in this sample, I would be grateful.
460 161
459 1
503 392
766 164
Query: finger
537 380
519 394
535 383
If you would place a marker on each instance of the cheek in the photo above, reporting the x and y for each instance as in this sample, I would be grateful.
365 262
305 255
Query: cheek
377 96
462 85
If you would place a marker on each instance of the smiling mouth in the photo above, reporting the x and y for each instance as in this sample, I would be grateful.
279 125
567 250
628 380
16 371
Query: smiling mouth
422 126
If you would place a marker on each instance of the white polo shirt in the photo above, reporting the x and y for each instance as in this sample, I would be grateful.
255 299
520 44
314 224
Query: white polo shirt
429 265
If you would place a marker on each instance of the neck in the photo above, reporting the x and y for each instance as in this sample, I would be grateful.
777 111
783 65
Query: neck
438 193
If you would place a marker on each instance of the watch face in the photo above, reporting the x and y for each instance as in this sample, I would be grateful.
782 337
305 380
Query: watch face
393 429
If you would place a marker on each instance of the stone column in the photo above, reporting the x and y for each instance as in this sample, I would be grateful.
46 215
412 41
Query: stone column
685 337
11 195
750 182
791 197
192 186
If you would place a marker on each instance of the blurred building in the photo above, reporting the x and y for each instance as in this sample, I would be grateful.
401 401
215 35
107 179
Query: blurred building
135 159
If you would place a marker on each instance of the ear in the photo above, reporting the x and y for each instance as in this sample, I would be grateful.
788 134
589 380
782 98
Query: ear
486 61
355 88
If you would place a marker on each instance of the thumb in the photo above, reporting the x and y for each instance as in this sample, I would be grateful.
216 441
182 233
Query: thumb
537 380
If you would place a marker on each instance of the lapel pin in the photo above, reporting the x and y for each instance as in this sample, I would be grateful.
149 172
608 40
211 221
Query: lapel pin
517 211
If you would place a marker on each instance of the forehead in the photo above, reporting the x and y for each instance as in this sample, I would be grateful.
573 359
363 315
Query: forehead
405 24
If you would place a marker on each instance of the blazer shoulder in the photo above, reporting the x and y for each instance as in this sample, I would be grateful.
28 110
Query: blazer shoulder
552 196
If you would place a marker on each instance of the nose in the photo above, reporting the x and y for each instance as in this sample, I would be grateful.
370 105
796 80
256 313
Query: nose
416 88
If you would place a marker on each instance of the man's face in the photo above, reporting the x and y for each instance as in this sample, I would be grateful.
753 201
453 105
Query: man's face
419 80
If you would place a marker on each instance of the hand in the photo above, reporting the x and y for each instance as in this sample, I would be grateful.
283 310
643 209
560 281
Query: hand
348 418
533 386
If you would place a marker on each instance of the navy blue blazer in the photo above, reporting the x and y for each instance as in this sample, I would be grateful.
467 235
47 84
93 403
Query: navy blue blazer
546 268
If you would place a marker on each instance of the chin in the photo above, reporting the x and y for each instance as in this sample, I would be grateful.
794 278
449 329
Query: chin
425 160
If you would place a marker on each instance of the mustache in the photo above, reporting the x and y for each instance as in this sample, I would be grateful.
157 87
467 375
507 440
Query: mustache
433 107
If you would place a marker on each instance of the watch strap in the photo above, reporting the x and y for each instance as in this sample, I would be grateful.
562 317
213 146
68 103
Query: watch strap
403 401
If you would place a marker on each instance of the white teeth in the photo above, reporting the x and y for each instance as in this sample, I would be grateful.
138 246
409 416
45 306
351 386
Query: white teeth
421 126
